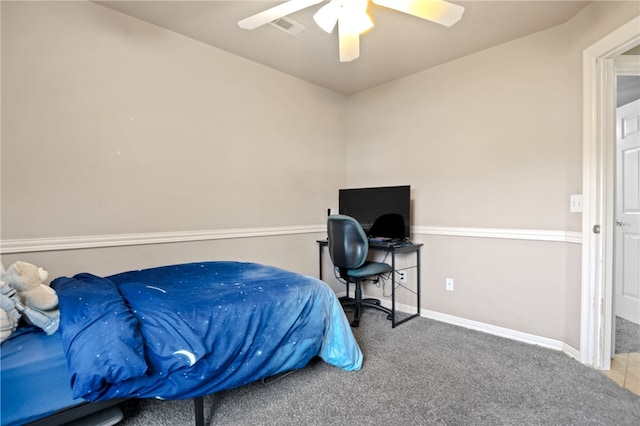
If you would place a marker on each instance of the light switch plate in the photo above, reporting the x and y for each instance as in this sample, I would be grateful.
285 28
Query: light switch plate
575 203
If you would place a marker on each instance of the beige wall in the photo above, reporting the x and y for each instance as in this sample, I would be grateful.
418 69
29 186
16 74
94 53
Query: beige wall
481 139
114 126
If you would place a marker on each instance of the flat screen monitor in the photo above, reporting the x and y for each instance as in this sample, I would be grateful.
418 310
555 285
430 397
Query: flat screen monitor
383 212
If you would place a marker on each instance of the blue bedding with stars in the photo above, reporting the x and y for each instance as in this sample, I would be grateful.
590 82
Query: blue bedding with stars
188 330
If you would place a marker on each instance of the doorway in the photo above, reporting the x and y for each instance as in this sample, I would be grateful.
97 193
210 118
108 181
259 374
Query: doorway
626 239
600 71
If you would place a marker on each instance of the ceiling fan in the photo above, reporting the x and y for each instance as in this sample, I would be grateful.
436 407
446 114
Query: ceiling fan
352 18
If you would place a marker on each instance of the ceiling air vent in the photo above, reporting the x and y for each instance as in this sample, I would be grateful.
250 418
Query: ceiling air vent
287 25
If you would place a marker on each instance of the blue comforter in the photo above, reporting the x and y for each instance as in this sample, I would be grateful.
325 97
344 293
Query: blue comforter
188 330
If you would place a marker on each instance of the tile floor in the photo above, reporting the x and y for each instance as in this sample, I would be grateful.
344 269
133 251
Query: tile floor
625 371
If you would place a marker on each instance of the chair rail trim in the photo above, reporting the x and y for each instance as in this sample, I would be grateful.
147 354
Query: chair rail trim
30 245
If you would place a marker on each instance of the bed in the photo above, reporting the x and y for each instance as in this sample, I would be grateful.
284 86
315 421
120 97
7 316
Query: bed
172 332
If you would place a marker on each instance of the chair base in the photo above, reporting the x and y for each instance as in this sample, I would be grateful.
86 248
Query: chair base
349 301
365 303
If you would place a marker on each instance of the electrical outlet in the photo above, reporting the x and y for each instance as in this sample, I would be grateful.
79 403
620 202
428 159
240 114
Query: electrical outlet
449 284
402 276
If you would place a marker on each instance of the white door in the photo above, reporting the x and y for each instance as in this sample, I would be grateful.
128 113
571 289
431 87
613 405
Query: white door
627 235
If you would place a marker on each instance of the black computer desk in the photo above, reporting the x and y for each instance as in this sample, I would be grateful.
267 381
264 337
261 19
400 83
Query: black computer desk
393 249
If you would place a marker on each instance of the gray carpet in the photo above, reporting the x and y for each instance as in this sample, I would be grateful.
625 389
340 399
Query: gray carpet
420 373
627 336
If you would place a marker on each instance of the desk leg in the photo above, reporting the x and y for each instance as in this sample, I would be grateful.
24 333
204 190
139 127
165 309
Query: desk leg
393 289
394 323
320 262
418 279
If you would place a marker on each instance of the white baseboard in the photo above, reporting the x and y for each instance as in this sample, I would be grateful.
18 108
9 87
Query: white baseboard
495 330
507 333
571 351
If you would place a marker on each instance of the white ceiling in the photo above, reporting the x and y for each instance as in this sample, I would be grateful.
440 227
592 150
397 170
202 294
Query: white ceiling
397 46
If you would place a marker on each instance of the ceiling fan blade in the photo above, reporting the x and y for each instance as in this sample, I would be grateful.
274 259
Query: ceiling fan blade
327 16
276 12
439 11
348 43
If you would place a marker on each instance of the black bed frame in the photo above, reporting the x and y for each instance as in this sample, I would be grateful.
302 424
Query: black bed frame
103 410
198 402
100 410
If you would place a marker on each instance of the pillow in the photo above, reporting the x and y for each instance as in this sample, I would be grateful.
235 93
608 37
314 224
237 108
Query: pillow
101 336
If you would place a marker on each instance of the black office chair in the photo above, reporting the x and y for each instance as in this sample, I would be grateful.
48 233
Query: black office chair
348 248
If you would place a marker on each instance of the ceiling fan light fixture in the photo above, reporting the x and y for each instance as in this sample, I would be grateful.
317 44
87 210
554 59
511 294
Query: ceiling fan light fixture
348 44
352 15
356 22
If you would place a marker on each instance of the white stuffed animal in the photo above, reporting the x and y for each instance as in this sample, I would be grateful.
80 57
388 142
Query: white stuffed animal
28 281
35 300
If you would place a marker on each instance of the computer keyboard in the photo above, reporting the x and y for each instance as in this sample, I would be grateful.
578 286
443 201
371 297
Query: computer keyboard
386 242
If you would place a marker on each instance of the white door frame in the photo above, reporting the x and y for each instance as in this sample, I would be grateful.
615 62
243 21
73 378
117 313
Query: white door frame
599 86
